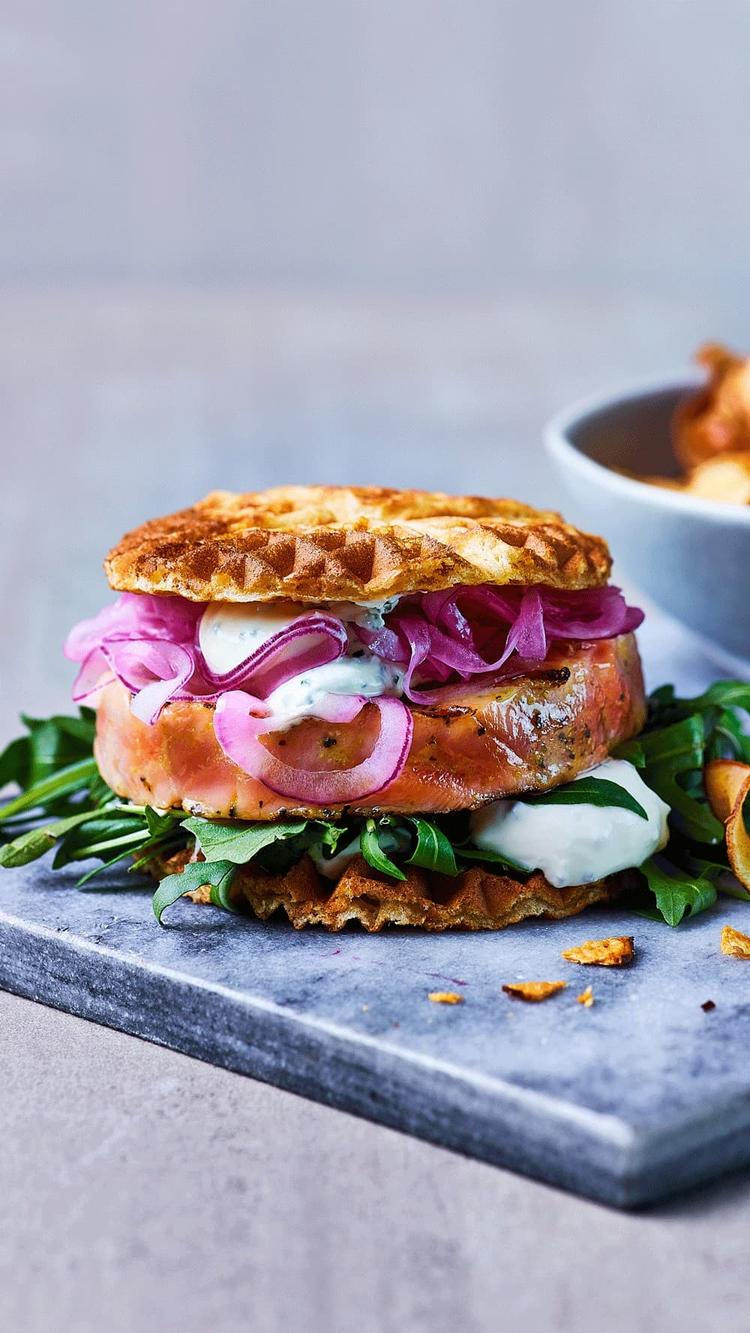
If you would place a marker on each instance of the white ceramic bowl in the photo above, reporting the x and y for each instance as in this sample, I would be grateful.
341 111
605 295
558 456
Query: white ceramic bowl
691 556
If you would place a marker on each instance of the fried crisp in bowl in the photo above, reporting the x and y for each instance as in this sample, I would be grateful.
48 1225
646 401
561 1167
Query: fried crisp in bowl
686 545
716 420
726 478
711 431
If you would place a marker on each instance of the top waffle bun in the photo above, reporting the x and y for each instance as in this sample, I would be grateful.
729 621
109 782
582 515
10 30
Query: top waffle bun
353 543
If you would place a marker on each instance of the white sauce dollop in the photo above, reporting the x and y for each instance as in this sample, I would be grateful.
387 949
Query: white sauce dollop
576 844
365 675
371 615
230 631
333 867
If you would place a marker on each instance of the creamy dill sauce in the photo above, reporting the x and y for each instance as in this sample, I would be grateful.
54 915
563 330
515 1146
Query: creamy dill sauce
230 631
576 844
371 615
366 675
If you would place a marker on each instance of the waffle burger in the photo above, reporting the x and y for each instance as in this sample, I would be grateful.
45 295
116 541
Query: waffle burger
373 705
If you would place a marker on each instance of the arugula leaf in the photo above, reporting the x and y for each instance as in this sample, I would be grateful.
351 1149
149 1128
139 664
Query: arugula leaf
729 739
239 843
64 802
678 895
331 835
433 850
220 891
157 823
695 819
72 778
33 844
163 847
672 753
719 874
113 837
682 741
51 743
52 746
102 828
219 874
105 865
589 791
99 793
721 694
373 853
716 708
14 762
492 858
632 751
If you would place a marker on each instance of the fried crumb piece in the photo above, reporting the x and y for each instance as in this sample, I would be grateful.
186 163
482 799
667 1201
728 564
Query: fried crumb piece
586 997
613 952
200 895
707 1006
734 943
445 997
534 991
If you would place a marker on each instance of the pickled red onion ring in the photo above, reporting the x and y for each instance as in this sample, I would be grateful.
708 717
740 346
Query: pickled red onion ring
150 645
238 732
478 635
309 641
94 674
447 640
153 671
135 615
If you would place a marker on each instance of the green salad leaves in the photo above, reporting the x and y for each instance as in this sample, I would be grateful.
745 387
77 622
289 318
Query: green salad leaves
680 737
63 806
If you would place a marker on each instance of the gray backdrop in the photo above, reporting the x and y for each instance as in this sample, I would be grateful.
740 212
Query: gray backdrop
431 145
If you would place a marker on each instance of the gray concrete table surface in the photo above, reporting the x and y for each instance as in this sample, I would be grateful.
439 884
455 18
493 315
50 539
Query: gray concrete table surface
138 1188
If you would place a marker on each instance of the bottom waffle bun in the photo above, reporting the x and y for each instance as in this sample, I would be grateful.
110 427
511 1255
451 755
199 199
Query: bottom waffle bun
475 900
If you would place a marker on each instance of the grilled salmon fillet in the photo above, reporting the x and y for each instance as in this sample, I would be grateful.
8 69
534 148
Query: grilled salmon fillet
531 733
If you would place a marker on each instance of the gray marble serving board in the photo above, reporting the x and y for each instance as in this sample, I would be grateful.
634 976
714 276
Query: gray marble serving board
639 1096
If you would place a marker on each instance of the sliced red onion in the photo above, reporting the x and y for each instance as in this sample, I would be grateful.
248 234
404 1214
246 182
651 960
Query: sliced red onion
590 613
485 634
527 635
150 645
154 672
309 641
135 616
338 707
94 674
238 733
453 691
446 641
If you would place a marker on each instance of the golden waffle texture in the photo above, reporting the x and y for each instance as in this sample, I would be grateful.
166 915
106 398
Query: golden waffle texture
354 543
477 899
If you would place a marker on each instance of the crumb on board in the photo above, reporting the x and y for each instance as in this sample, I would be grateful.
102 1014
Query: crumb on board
734 943
445 997
586 998
612 952
200 895
708 1005
533 991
